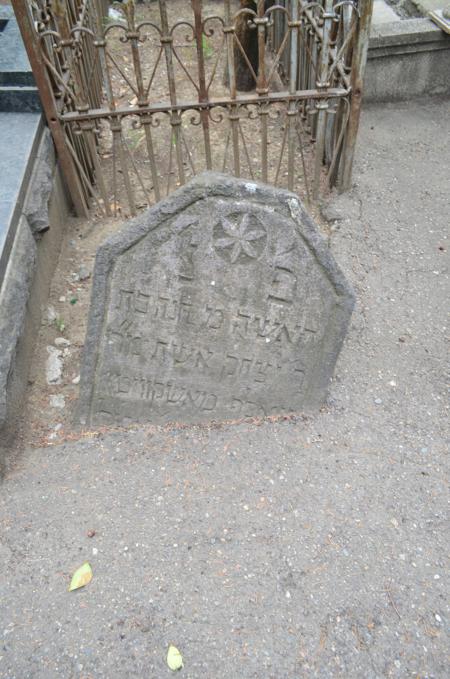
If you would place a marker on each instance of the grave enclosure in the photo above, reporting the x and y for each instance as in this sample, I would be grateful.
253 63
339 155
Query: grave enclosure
221 302
139 105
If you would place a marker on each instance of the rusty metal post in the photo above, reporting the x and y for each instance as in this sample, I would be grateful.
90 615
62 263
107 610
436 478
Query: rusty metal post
233 116
31 42
360 47
202 93
261 22
322 83
175 117
293 26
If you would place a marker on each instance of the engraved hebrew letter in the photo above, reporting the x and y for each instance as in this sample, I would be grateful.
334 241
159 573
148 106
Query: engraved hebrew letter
284 285
210 402
230 369
125 297
188 247
141 302
203 358
215 318
240 324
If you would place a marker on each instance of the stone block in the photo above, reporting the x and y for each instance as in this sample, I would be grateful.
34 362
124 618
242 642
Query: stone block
14 294
221 302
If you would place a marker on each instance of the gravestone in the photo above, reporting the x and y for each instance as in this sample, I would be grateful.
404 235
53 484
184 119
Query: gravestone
219 303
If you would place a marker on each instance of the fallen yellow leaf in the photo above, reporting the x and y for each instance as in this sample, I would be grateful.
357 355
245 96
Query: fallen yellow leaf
174 658
81 577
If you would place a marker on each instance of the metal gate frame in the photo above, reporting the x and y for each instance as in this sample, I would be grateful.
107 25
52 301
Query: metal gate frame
321 47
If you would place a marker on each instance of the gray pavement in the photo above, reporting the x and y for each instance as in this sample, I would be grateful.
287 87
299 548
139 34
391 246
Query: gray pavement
311 547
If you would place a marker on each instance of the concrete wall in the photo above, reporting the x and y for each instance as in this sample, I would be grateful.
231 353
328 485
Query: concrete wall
406 59
25 288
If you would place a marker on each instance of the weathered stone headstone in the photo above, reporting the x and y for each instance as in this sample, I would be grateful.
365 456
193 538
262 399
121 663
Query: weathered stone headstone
220 302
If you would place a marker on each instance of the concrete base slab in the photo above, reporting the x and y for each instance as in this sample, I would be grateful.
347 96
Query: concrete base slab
383 13
406 59
425 6
20 135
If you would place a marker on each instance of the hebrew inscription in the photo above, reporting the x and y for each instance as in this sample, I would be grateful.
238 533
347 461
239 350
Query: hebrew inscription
215 304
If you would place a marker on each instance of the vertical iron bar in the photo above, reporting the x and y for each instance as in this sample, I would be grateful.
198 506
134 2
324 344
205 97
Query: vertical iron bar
360 47
322 83
34 52
147 124
233 115
203 94
143 99
292 109
261 84
116 129
90 134
175 118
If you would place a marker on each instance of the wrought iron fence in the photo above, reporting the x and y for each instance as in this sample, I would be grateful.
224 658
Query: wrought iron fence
139 104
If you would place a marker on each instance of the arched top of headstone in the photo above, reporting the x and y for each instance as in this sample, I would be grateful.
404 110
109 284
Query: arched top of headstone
220 302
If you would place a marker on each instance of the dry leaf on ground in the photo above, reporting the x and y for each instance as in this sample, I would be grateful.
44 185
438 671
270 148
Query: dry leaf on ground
174 658
81 577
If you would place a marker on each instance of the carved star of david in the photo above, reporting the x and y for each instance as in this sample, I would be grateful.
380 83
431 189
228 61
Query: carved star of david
240 238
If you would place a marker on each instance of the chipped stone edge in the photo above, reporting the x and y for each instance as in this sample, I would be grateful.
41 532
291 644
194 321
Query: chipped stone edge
41 184
14 295
206 185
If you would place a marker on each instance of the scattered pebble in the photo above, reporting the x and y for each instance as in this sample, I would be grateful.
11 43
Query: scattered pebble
51 314
54 366
62 342
378 401
114 14
83 273
57 401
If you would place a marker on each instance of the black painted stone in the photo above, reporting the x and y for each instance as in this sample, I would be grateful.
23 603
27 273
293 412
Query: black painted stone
17 88
221 302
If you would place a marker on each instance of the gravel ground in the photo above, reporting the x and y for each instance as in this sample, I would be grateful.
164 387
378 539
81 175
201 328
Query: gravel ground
312 547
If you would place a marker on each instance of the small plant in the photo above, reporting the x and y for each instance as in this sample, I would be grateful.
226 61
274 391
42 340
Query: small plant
206 47
136 137
59 323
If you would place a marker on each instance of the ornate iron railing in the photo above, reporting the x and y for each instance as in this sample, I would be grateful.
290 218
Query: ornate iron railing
140 104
